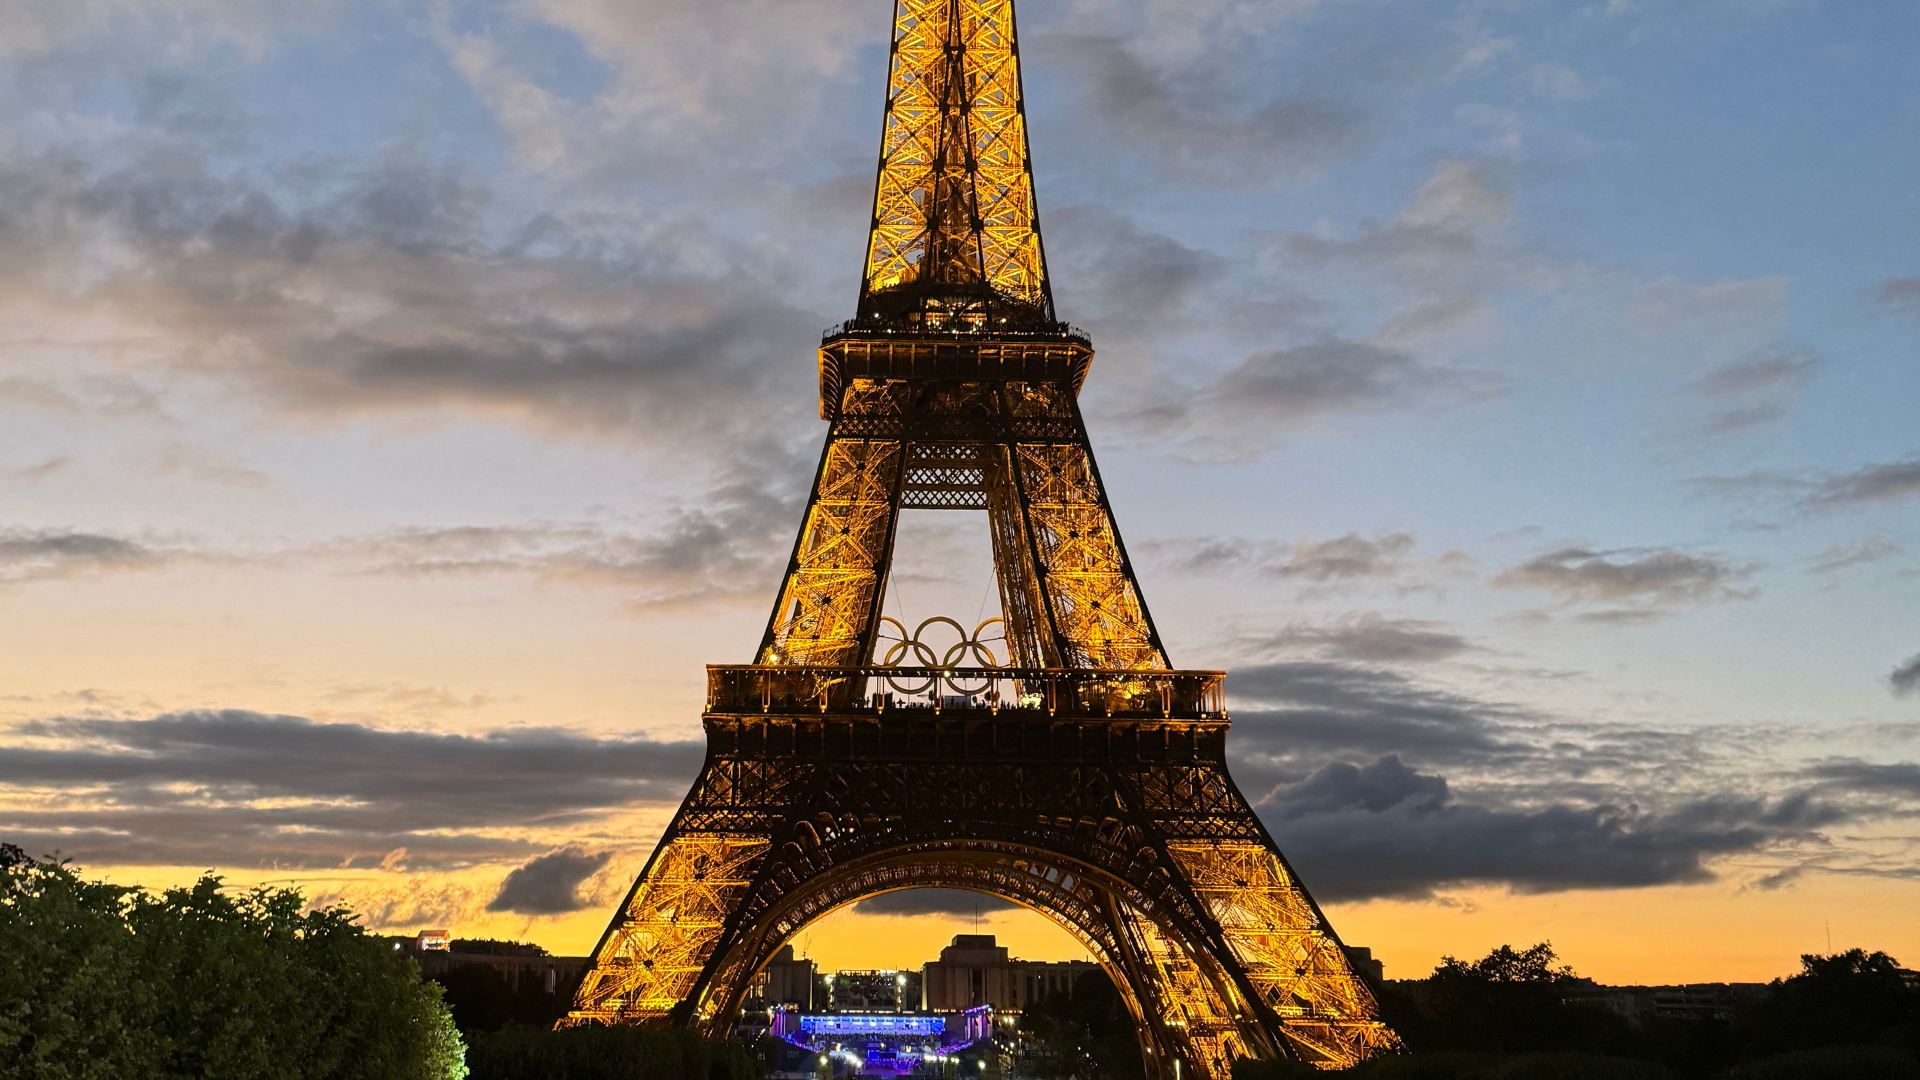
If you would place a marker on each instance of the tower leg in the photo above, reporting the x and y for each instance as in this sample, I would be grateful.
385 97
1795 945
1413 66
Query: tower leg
1160 869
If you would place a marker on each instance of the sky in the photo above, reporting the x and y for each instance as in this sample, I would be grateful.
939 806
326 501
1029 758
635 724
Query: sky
400 402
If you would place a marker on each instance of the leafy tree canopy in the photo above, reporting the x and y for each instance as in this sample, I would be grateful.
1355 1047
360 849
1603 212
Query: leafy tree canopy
99 982
1509 965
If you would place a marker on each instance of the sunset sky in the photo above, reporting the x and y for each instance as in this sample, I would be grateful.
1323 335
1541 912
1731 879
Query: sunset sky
400 402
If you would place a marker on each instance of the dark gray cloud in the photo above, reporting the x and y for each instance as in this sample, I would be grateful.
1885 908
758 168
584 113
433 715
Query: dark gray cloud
43 555
1294 716
1369 639
549 884
1892 481
238 788
1902 293
1292 385
1647 576
957 903
388 289
1339 559
1122 279
1191 129
1853 775
1905 678
1349 556
1243 412
733 542
1384 830
734 546
1869 485
1756 391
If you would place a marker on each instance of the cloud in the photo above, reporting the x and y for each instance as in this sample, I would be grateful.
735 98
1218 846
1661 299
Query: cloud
1297 715
1893 481
1757 391
52 555
1290 386
1369 638
1652 577
1244 411
1126 280
1349 556
1385 830
1856 553
1192 130
1445 249
1441 256
1902 293
1869 485
232 788
954 903
697 557
409 904
1339 559
731 545
1852 774
549 884
675 73
1905 678
386 289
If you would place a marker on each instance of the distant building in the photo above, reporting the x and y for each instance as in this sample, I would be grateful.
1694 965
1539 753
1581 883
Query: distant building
1688 1001
519 965
975 970
1372 971
785 981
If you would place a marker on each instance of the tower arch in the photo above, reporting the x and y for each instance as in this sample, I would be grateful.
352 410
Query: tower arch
1183 1003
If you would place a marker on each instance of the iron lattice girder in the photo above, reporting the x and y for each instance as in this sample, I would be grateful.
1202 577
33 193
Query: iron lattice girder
1069 591
1087 779
1210 937
954 202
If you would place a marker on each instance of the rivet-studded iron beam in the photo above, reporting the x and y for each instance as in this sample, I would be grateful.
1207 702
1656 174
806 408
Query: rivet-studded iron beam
954 200
1084 777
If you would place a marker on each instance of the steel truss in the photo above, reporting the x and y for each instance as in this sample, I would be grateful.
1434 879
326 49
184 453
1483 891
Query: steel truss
954 199
1083 777
1127 832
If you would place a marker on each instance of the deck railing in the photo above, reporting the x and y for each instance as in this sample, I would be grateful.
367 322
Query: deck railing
1063 693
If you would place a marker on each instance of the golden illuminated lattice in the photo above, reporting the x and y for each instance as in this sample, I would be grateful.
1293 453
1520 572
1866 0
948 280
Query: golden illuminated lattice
954 202
1079 774
1193 1005
1088 585
1294 963
830 594
659 943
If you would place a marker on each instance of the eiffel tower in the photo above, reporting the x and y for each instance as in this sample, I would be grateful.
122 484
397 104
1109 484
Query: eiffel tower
1080 774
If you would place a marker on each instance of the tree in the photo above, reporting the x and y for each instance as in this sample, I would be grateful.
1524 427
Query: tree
1085 1033
105 981
481 1000
1509 1001
1852 998
1532 965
